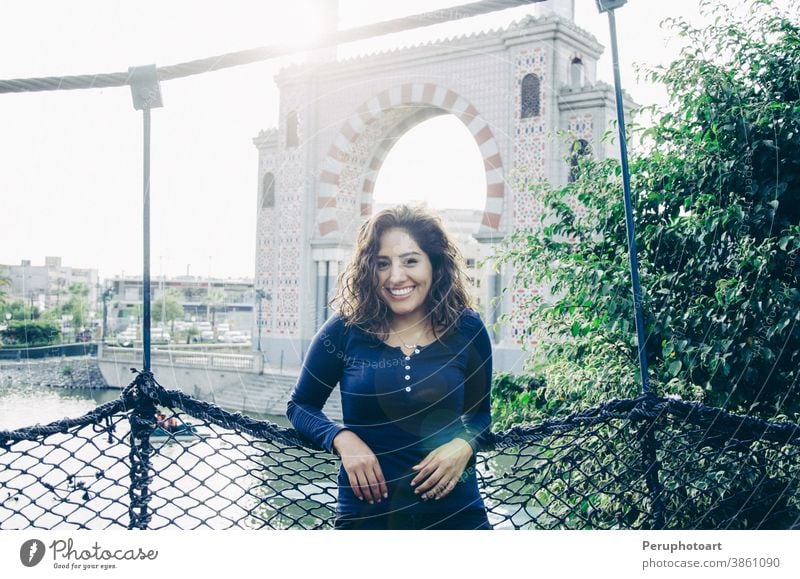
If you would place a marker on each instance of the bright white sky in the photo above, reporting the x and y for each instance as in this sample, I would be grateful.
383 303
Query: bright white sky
70 161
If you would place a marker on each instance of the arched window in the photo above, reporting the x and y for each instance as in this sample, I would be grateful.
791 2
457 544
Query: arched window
530 96
268 191
580 148
576 72
292 139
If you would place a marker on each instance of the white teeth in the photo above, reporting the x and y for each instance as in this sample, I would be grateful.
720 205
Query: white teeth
401 292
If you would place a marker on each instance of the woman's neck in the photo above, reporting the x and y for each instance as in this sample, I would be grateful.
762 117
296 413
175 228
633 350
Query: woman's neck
417 323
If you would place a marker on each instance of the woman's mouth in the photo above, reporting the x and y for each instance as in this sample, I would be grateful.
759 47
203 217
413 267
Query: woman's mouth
401 293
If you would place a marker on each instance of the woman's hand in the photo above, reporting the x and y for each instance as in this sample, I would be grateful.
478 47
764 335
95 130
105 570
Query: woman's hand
361 465
442 469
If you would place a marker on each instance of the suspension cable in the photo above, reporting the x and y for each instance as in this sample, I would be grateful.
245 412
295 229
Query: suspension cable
231 59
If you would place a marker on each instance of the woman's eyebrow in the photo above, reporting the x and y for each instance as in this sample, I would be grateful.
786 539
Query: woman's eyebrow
403 255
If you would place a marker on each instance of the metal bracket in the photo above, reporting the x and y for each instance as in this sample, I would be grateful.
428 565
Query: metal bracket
145 88
606 5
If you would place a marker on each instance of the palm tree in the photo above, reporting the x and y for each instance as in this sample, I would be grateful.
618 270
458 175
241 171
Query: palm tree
213 300
78 303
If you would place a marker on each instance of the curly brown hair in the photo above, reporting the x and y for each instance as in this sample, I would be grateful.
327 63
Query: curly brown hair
357 299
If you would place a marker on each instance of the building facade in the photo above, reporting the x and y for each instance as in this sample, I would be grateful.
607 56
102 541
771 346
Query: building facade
47 286
516 90
231 301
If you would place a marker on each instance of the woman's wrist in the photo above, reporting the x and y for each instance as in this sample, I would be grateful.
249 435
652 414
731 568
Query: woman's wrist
468 451
341 439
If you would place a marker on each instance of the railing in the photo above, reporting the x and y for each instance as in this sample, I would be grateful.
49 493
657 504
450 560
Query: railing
61 350
186 358
706 468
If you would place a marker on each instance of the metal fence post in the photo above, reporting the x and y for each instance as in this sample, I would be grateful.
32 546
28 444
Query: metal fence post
648 443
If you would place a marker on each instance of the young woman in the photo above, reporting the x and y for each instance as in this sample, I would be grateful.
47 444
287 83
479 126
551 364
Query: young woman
414 364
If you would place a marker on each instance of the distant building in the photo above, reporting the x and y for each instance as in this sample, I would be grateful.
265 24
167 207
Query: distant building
232 300
47 286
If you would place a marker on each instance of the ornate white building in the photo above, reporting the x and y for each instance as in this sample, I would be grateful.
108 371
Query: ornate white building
513 88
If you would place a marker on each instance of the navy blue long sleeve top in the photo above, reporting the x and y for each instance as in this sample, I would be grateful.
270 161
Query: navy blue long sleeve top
402 406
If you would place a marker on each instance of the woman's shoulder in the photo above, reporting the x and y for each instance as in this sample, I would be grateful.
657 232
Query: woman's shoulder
470 321
333 326
339 326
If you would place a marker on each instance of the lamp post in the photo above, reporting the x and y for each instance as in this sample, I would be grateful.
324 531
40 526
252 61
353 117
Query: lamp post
106 296
654 487
609 6
260 295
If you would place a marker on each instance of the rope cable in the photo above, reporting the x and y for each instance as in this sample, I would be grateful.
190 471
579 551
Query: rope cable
249 56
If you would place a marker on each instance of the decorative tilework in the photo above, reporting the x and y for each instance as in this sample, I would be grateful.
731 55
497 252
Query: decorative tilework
368 135
530 150
580 127
348 121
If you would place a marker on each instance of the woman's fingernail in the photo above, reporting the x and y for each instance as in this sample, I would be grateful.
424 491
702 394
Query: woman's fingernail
371 503
386 495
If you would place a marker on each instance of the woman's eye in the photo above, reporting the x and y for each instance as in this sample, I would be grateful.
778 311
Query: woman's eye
383 264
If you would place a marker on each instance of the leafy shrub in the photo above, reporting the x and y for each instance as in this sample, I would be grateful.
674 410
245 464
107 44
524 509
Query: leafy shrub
22 333
716 191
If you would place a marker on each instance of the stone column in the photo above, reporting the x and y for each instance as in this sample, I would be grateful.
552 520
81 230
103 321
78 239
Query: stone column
322 278
330 287
494 281
494 289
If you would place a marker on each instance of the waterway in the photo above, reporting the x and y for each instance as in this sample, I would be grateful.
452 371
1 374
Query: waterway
24 405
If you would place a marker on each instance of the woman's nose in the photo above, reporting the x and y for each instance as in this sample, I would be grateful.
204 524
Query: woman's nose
396 274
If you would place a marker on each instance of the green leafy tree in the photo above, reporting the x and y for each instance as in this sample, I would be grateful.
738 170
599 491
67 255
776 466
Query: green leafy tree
168 308
5 283
19 310
76 306
191 333
716 190
24 333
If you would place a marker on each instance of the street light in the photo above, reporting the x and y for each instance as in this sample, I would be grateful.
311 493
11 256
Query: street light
260 295
606 5
106 297
609 6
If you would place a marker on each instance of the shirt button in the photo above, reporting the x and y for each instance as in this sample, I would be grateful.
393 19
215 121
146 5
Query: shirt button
408 357
416 351
408 367
408 377
408 388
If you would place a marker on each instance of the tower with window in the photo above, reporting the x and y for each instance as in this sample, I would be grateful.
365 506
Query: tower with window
528 95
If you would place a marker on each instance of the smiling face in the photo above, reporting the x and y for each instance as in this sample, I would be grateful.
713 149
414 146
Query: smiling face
405 274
